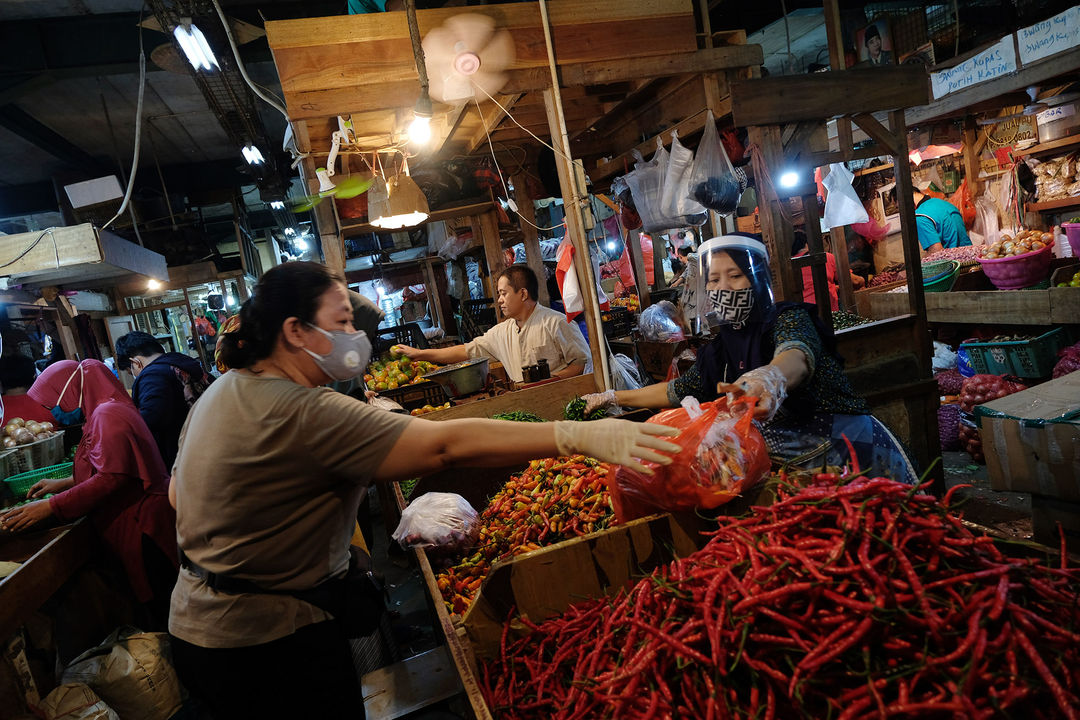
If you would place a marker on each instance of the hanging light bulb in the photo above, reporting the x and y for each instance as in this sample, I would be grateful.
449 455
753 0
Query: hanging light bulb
611 245
153 285
290 231
194 45
277 205
300 244
420 129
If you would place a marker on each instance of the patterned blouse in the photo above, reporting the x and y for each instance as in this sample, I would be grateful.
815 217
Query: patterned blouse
826 391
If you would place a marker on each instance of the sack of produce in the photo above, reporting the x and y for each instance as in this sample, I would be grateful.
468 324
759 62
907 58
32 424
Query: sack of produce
442 521
658 323
75 701
713 183
979 389
132 672
722 455
675 199
1069 362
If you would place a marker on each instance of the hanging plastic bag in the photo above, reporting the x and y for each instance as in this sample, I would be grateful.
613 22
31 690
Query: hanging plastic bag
965 203
624 373
646 184
842 204
986 227
675 200
723 454
443 521
712 182
658 323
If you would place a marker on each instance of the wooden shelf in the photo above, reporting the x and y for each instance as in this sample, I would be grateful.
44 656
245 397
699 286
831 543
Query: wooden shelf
996 307
1053 204
874 169
1051 145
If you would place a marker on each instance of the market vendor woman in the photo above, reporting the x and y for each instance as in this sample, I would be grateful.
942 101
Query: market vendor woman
267 482
777 352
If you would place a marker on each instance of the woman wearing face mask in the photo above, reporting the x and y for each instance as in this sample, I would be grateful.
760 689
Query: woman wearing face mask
266 486
118 478
781 354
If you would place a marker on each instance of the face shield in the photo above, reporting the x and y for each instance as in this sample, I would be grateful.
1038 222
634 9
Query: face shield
733 281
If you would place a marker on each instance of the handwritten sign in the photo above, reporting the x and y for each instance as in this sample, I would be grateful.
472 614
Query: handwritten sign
1059 113
992 63
1050 37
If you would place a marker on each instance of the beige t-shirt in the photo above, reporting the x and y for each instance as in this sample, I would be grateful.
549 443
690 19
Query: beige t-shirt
546 334
268 481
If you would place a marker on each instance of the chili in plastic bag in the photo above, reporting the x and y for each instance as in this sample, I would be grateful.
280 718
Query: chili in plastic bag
723 454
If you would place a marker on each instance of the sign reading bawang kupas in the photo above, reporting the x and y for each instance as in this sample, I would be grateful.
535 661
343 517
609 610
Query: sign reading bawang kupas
989 64
1050 37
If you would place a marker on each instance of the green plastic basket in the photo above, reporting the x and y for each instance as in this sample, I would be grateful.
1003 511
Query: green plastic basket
943 282
20 484
1039 285
936 267
1033 358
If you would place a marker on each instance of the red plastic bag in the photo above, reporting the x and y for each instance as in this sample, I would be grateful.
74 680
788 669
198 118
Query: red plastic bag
721 457
964 203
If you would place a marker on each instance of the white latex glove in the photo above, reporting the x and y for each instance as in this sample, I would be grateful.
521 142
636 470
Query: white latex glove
595 401
616 441
766 383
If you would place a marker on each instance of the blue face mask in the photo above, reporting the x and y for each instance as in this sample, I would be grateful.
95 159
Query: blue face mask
69 417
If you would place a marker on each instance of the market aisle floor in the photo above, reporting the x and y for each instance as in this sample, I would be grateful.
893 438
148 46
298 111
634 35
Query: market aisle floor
1010 513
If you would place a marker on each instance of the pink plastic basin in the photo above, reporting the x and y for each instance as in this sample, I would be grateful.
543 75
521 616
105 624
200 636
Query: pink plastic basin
1018 271
1072 232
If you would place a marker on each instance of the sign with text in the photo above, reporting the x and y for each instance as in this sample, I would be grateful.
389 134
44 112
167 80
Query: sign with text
1050 37
992 63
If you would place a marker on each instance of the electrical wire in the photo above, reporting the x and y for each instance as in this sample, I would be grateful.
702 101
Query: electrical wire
47 231
255 88
499 169
530 132
138 134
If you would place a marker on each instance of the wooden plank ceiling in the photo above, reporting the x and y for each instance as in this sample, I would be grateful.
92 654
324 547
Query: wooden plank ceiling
362 65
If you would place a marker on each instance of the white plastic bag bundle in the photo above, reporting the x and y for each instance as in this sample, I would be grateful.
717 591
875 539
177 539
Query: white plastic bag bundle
713 183
944 357
646 185
658 323
443 521
842 205
675 201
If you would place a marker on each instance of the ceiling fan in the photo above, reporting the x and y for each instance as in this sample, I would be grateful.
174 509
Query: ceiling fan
464 53
1033 108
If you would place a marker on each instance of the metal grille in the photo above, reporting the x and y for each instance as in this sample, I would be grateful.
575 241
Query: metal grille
227 94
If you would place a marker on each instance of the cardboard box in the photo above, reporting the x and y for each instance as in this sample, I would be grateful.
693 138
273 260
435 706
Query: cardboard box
1032 439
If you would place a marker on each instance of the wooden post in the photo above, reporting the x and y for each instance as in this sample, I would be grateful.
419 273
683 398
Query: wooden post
443 296
637 262
971 157
432 292
908 230
330 237
487 225
658 254
834 32
843 269
531 240
777 232
812 228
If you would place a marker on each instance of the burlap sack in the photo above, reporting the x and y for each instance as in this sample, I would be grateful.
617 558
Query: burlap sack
75 701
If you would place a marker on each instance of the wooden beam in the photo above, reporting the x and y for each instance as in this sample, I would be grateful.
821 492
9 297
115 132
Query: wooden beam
702 61
453 124
575 228
784 99
331 239
843 269
879 134
491 119
812 228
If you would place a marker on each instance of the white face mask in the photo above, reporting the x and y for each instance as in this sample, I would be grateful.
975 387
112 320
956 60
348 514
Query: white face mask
349 353
732 306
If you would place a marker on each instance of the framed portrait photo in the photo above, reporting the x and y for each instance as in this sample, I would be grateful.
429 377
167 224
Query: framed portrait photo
874 44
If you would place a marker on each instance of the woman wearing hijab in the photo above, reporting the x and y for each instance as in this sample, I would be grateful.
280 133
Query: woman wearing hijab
118 478
781 354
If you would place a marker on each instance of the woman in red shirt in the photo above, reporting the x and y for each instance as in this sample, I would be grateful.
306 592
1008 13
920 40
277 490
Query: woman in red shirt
119 479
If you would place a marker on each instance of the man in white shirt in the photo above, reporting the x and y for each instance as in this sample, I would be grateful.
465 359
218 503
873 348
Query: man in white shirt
529 333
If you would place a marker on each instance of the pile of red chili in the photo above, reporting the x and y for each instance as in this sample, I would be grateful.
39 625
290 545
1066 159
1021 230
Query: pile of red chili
865 600
553 500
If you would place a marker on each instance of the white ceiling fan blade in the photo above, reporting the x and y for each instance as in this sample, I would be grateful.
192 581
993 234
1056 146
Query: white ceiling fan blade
472 30
457 87
499 53
438 48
